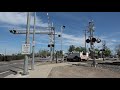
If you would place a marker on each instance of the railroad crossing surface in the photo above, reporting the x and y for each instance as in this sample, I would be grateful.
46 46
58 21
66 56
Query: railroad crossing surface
40 71
44 70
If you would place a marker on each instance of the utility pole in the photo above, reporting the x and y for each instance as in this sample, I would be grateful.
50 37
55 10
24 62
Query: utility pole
61 42
50 38
25 72
103 50
85 41
33 47
91 26
56 55
53 41
62 27
5 55
5 51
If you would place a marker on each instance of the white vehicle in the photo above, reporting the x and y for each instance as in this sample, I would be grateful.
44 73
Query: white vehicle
84 56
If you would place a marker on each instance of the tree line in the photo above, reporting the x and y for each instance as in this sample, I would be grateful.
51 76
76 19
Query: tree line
46 53
41 53
106 52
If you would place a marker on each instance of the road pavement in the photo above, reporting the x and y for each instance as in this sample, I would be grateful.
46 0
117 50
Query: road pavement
12 67
7 68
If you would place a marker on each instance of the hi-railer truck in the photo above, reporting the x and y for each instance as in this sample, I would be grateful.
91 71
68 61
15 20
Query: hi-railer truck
78 57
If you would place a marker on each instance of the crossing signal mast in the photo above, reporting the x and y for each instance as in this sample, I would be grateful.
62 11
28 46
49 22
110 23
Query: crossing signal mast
27 32
52 38
60 35
51 44
103 50
31 32
92 40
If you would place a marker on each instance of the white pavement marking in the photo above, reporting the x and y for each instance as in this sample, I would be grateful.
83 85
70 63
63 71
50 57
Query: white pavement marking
76 63
83 63
16 76
9 64
4 72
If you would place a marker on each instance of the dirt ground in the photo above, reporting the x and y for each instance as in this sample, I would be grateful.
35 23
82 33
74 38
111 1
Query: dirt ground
82 72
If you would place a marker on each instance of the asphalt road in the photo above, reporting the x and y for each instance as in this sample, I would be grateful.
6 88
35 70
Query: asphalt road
11 67
7 68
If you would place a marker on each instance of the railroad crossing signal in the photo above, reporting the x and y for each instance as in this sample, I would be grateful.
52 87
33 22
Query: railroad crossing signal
98 40
87 40
50 45
102 50
93 40
13 31
59 35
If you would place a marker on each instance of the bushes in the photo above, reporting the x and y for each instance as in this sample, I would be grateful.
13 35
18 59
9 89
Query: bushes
12 57
17 57
1 58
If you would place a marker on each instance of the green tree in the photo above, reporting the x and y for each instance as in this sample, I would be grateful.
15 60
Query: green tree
71 48
82 49
117 50
96 52
59 53
77 49
107 52
43 53
96 49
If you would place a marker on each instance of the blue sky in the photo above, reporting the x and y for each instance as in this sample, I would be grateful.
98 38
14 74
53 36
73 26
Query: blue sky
107 27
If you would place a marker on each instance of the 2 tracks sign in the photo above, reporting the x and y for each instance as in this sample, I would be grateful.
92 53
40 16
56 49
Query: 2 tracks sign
25 48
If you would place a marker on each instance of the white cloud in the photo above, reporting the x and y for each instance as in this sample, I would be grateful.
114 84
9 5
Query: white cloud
12 18
113 40
73 40
15 18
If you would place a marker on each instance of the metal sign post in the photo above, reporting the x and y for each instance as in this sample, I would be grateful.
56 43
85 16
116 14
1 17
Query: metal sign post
33 47
25 71
91 24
